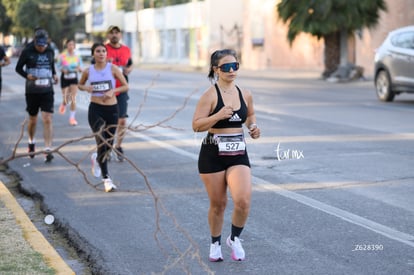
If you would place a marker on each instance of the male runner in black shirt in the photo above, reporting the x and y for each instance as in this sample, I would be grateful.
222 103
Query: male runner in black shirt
40 75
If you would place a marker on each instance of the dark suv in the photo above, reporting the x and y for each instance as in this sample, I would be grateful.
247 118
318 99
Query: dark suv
394 64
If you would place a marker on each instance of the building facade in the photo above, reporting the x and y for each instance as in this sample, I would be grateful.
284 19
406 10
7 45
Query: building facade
189 33
186 33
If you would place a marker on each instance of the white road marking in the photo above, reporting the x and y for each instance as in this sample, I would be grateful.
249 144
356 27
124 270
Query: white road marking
342 214
326 208
265 185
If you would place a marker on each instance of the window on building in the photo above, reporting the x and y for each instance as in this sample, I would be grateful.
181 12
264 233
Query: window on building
183 41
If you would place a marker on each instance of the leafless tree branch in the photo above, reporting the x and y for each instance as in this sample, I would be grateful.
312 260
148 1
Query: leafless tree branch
161 210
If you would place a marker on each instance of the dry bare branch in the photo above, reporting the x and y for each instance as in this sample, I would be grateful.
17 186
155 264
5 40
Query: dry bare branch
192 252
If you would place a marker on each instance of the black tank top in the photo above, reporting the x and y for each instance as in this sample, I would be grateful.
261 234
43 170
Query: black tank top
238 117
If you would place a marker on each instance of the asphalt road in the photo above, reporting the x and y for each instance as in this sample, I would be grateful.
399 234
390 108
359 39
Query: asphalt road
332 179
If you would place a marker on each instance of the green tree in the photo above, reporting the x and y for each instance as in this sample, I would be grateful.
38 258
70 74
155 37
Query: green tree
5 20
331 20
163 3
129 5
126 5
11 8
26 15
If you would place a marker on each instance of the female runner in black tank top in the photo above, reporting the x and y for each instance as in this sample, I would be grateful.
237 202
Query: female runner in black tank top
223 160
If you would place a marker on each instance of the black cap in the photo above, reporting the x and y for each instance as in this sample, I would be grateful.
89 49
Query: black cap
41 37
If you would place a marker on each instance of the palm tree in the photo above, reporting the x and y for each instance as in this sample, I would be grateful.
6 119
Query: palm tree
332 20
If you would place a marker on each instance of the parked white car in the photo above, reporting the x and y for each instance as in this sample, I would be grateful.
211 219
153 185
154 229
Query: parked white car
394 64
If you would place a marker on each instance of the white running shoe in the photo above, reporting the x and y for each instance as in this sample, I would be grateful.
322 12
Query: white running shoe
109 186
237 251
96 170
215 252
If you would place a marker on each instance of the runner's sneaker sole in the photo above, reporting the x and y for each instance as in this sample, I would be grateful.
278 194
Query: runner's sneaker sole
237 251
109 186
215 253
120 155
31 150
48 158
73 122
62 109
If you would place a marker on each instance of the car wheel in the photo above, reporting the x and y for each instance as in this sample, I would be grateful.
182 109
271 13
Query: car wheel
383 86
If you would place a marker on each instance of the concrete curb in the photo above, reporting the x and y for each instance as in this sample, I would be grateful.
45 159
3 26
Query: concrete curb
32 235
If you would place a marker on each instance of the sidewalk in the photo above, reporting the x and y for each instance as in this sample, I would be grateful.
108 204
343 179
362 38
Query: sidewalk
272 73
284 74
23 249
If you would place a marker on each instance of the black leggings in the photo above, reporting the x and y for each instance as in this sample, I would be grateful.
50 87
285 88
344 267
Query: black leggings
106 118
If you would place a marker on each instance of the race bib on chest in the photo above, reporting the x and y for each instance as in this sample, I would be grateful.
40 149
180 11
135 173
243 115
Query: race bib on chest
230 144
101 86
42 82
72 75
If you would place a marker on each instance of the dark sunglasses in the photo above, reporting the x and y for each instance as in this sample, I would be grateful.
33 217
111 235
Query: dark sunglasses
226 67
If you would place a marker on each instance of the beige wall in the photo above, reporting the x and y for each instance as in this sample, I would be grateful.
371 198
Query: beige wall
306 51
224 23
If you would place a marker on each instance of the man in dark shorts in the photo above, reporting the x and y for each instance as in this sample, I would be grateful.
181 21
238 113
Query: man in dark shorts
36 65
119 55
4 61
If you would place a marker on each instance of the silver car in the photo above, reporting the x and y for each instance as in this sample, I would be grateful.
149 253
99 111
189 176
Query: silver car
394 64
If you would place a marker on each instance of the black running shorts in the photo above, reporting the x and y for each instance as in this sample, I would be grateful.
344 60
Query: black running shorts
42 101
66 82
210 162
